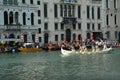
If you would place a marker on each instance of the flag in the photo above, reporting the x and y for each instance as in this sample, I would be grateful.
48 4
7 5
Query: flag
36 38
22 35
92 37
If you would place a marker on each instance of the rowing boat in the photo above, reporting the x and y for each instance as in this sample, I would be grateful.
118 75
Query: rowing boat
68 52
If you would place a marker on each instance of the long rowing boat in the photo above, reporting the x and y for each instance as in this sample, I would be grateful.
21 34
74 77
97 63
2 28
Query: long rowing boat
68 52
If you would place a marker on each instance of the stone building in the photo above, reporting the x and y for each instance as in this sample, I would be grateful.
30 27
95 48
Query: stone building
19 20
47 21
111 19
70 20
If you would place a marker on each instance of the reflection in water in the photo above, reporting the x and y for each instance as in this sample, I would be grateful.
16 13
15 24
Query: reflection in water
53 66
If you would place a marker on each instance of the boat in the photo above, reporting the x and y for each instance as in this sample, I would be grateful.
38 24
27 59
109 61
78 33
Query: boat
9 45
30 47
69 52
51 47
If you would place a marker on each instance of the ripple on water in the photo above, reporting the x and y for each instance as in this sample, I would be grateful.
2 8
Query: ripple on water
53 66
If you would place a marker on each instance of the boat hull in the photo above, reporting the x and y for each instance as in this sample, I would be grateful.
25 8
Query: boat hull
30 49
68 52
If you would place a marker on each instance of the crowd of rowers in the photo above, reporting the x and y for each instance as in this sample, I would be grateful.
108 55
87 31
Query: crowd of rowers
85 45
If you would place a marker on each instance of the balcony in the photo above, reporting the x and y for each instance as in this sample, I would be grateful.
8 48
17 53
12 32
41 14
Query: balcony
96 1
10 3
13 27
68 1
46 31
69 20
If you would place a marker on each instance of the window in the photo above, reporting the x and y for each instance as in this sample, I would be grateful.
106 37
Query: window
31 1
38 2
56 26
5 18
15 2
92 12
115 20
79 37
16 17
98 12
33 37
73 11
62 26
46 26
88 12
108 34
32 18
61 10
24 18
79 11
99 26
106 3
39 21
115 4
4 1
10 2
56 37
79 26
116 33
74 27
55 11
45 11
39 13
65 10
11 17
107 20
23 1
74 37
88 35
39 30
93 26
62 37
69 11
88 26
40 39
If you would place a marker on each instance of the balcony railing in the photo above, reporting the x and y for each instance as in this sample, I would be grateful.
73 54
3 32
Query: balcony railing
96 1
69 20
68 1
13 27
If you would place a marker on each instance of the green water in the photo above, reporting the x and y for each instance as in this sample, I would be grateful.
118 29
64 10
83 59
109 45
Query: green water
54 66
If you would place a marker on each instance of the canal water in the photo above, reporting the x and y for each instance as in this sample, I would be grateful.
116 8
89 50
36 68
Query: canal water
54 66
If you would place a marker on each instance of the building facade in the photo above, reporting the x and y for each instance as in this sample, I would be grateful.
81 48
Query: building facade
111 19
47 21
71 20
18 19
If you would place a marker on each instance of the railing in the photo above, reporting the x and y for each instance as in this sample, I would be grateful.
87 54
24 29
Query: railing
69 20
68 1
96 1
13 27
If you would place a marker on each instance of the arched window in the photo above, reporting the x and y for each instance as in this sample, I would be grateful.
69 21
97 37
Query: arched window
32 18
11 17
74 37
5 18
24 18
16 17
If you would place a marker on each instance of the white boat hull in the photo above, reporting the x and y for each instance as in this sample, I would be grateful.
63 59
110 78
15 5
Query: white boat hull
68 52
